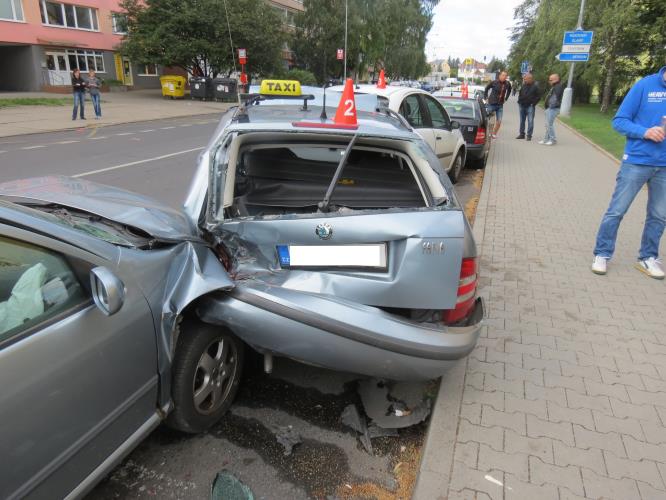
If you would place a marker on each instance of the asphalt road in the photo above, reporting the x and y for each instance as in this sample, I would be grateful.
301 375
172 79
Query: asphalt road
158 159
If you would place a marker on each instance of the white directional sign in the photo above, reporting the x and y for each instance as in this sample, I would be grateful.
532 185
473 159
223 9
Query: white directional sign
575 49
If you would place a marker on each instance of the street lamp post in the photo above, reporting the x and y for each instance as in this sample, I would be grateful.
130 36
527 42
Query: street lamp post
345 58
567 97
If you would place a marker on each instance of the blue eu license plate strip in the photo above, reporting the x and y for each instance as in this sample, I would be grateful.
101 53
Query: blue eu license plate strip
283 255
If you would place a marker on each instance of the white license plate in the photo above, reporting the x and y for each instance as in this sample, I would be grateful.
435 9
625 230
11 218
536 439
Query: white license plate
370 255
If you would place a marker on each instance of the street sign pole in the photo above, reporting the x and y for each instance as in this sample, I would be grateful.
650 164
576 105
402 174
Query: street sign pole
567 97
345 70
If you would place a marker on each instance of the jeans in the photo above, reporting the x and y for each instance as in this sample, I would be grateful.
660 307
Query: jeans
551 114
630 179
96 104
526 112
79 100
498 109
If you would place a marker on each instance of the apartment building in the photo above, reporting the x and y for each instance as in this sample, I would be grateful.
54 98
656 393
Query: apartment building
42 41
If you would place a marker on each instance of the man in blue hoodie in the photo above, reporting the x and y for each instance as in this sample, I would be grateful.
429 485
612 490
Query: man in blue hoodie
642 119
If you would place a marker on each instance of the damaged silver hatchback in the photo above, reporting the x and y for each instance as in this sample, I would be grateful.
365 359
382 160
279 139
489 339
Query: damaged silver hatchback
337 245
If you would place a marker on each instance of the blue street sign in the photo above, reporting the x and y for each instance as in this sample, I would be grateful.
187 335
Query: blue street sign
584 57
525 67
577 37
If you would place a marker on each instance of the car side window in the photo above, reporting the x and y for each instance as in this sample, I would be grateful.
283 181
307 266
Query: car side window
411 110
438 115
36 285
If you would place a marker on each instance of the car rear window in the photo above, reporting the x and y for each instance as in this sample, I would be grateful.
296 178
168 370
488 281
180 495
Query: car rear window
459 108
294 178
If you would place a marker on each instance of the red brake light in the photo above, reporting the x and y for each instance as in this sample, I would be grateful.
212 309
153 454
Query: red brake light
480 137
466 292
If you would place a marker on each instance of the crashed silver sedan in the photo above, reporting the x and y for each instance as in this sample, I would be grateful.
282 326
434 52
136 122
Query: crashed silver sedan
343 248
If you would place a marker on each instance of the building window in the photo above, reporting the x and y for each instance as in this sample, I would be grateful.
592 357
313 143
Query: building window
149 69
86 60
68 16
119 23
11 10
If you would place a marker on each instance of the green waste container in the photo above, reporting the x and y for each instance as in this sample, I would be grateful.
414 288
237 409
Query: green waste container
173 86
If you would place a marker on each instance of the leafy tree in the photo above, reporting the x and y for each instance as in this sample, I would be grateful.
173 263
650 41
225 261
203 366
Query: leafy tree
387 34
496 65
194 35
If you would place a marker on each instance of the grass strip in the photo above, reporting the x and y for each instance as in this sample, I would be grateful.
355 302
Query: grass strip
596 126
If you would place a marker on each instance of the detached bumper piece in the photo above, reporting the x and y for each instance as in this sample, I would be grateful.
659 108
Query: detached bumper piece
341 335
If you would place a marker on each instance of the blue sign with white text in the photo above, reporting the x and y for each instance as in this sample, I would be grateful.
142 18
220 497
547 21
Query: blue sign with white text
577 37
583 57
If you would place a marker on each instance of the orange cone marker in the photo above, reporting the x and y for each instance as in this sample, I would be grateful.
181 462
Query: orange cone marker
346 113
381 83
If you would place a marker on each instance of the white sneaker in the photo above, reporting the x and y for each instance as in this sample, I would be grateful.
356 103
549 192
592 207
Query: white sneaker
549 143
542 141
652 267
599 264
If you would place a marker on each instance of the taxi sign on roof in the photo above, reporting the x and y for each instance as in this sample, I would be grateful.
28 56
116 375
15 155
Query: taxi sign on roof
280 87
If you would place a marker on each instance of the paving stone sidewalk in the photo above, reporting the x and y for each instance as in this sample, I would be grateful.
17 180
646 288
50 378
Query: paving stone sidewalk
565 395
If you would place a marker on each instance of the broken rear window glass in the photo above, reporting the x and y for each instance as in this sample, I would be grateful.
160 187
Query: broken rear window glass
293 178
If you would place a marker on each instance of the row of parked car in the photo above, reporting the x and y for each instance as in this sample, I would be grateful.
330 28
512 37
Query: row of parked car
339 245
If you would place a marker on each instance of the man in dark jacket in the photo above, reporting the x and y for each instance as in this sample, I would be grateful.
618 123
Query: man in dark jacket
553 103
528 98
497 92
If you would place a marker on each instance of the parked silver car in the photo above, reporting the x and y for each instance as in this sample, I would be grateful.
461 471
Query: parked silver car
343 248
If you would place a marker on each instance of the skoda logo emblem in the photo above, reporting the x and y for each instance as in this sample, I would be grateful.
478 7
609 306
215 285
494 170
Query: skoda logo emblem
324 231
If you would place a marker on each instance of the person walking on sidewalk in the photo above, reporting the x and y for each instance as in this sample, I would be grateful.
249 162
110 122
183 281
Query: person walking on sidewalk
94 84
553 103
497 93
79 93
642 119
528 97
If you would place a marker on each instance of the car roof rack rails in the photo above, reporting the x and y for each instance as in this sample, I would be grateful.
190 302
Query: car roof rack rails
252 99
389 112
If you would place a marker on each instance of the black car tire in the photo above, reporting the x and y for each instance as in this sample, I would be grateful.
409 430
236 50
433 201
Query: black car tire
456 168
481 162
192 370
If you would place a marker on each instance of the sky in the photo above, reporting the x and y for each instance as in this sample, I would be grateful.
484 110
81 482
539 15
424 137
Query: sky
471 28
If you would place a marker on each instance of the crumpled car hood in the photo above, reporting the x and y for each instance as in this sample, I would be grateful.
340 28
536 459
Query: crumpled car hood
119 205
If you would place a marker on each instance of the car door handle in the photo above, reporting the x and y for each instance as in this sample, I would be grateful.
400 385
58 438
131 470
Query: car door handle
439 137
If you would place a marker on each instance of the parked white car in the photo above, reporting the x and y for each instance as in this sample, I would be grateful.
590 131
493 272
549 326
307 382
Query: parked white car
428 118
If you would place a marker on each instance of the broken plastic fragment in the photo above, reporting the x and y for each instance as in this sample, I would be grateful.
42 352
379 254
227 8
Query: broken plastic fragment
353 419
394 406
288 438
227 487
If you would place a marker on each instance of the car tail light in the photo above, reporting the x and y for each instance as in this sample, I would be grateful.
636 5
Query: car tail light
480 137
466 293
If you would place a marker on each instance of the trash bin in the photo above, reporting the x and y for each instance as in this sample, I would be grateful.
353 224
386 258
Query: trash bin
201 87
173 86
225 89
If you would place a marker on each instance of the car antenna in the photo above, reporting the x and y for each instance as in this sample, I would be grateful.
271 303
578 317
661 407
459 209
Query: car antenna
323 205
231 46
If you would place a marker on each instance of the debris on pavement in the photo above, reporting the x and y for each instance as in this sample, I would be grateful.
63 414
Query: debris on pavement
227 487
353 419
393 405
376 432
288 437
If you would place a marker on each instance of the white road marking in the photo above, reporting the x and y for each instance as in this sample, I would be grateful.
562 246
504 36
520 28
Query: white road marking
35 147
148 130
166 128
138 162
66 142
125 133
186 125
97 138
3 151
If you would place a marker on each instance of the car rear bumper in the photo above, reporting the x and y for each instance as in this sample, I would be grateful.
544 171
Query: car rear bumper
475 151
341 335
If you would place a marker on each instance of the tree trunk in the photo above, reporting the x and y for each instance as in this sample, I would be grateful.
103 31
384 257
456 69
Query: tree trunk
607 92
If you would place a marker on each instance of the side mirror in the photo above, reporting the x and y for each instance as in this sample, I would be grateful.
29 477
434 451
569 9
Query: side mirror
107 290
455 125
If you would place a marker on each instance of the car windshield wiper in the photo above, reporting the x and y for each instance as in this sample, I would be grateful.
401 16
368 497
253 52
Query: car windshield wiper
323 205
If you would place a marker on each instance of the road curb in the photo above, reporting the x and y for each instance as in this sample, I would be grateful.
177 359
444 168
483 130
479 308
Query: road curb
95 125
436 467
591 143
